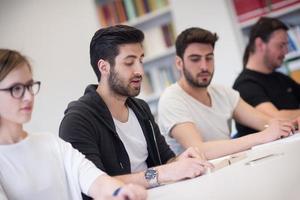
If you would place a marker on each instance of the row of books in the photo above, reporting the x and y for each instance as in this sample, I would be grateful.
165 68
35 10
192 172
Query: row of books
166 75
248 9
158 39
294 39
292 62
113 12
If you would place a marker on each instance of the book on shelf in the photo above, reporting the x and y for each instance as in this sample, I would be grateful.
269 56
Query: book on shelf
111 12
158 39
167 76
294 69
249 9
294 38
130 9
147 86
280 4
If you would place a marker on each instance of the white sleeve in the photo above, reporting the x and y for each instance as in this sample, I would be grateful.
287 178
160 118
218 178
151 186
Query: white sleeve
233 97
172 110
2 194
80 171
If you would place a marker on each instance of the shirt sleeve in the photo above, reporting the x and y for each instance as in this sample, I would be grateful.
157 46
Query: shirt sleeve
78 168
253 93
2 194
233 97
172 111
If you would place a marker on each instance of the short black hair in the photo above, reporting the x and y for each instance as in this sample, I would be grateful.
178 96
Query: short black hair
263 29
194 35
106 41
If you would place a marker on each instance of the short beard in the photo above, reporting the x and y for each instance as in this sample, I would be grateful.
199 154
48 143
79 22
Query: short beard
269 63
118 87
193 81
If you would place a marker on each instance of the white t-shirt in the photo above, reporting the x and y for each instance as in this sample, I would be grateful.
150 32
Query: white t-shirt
134 141
176 106
42 166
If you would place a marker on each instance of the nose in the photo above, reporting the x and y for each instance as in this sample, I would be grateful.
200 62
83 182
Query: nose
139 69
203 65
28 96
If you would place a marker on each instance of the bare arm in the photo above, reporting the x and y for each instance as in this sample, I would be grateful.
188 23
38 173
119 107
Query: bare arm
269 109
249 116
104 187
188 135
188 165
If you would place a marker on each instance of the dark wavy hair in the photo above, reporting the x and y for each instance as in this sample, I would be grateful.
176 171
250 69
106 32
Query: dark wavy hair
263 29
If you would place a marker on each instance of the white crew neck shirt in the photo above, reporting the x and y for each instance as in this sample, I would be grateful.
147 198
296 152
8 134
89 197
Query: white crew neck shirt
213 122
42 166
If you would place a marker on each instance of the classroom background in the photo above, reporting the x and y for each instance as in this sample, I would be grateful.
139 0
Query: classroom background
55 35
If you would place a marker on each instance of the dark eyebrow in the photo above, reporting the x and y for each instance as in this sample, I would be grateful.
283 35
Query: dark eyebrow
197 55
133 56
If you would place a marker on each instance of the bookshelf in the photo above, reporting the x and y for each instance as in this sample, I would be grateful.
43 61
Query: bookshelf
287 11
154 18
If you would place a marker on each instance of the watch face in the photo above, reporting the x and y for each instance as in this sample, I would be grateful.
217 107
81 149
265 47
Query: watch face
150 174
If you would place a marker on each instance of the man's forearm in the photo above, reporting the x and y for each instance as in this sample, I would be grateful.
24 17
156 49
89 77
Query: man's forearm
135 178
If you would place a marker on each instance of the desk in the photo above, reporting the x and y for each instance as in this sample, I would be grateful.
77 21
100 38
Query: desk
274 178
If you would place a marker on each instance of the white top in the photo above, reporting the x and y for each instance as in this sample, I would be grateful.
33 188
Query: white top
134 141
42 166
176 106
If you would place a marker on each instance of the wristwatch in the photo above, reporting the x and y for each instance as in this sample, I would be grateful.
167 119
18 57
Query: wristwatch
151 175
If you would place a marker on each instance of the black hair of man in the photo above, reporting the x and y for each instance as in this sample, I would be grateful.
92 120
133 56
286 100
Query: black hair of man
263 28
106 41
194 35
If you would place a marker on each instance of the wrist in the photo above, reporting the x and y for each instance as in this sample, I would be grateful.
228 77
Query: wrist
152 175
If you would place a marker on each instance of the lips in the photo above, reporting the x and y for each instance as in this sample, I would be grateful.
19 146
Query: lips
26 108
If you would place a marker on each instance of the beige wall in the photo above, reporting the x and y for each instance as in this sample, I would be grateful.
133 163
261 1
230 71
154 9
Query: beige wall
55 35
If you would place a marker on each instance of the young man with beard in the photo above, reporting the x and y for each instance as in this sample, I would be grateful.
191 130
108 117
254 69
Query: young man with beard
116 131
193 113
270 92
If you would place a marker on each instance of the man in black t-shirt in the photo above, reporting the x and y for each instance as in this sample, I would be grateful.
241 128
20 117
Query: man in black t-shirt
270 92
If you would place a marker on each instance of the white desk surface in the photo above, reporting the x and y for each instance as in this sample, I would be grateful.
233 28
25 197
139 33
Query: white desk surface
274 178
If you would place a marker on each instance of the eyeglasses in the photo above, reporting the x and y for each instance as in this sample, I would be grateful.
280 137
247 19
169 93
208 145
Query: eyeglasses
17 91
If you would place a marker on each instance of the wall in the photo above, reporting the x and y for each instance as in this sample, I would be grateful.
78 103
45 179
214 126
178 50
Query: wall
216 16
55 35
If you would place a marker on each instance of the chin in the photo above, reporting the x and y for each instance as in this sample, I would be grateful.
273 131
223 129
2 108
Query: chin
24 119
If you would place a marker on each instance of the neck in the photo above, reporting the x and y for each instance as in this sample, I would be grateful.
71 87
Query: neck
198 93
115 103
256 63
11 133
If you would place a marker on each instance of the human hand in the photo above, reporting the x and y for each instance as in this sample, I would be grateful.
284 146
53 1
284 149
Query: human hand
182 169
277 129
130 192
296 124
194 152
